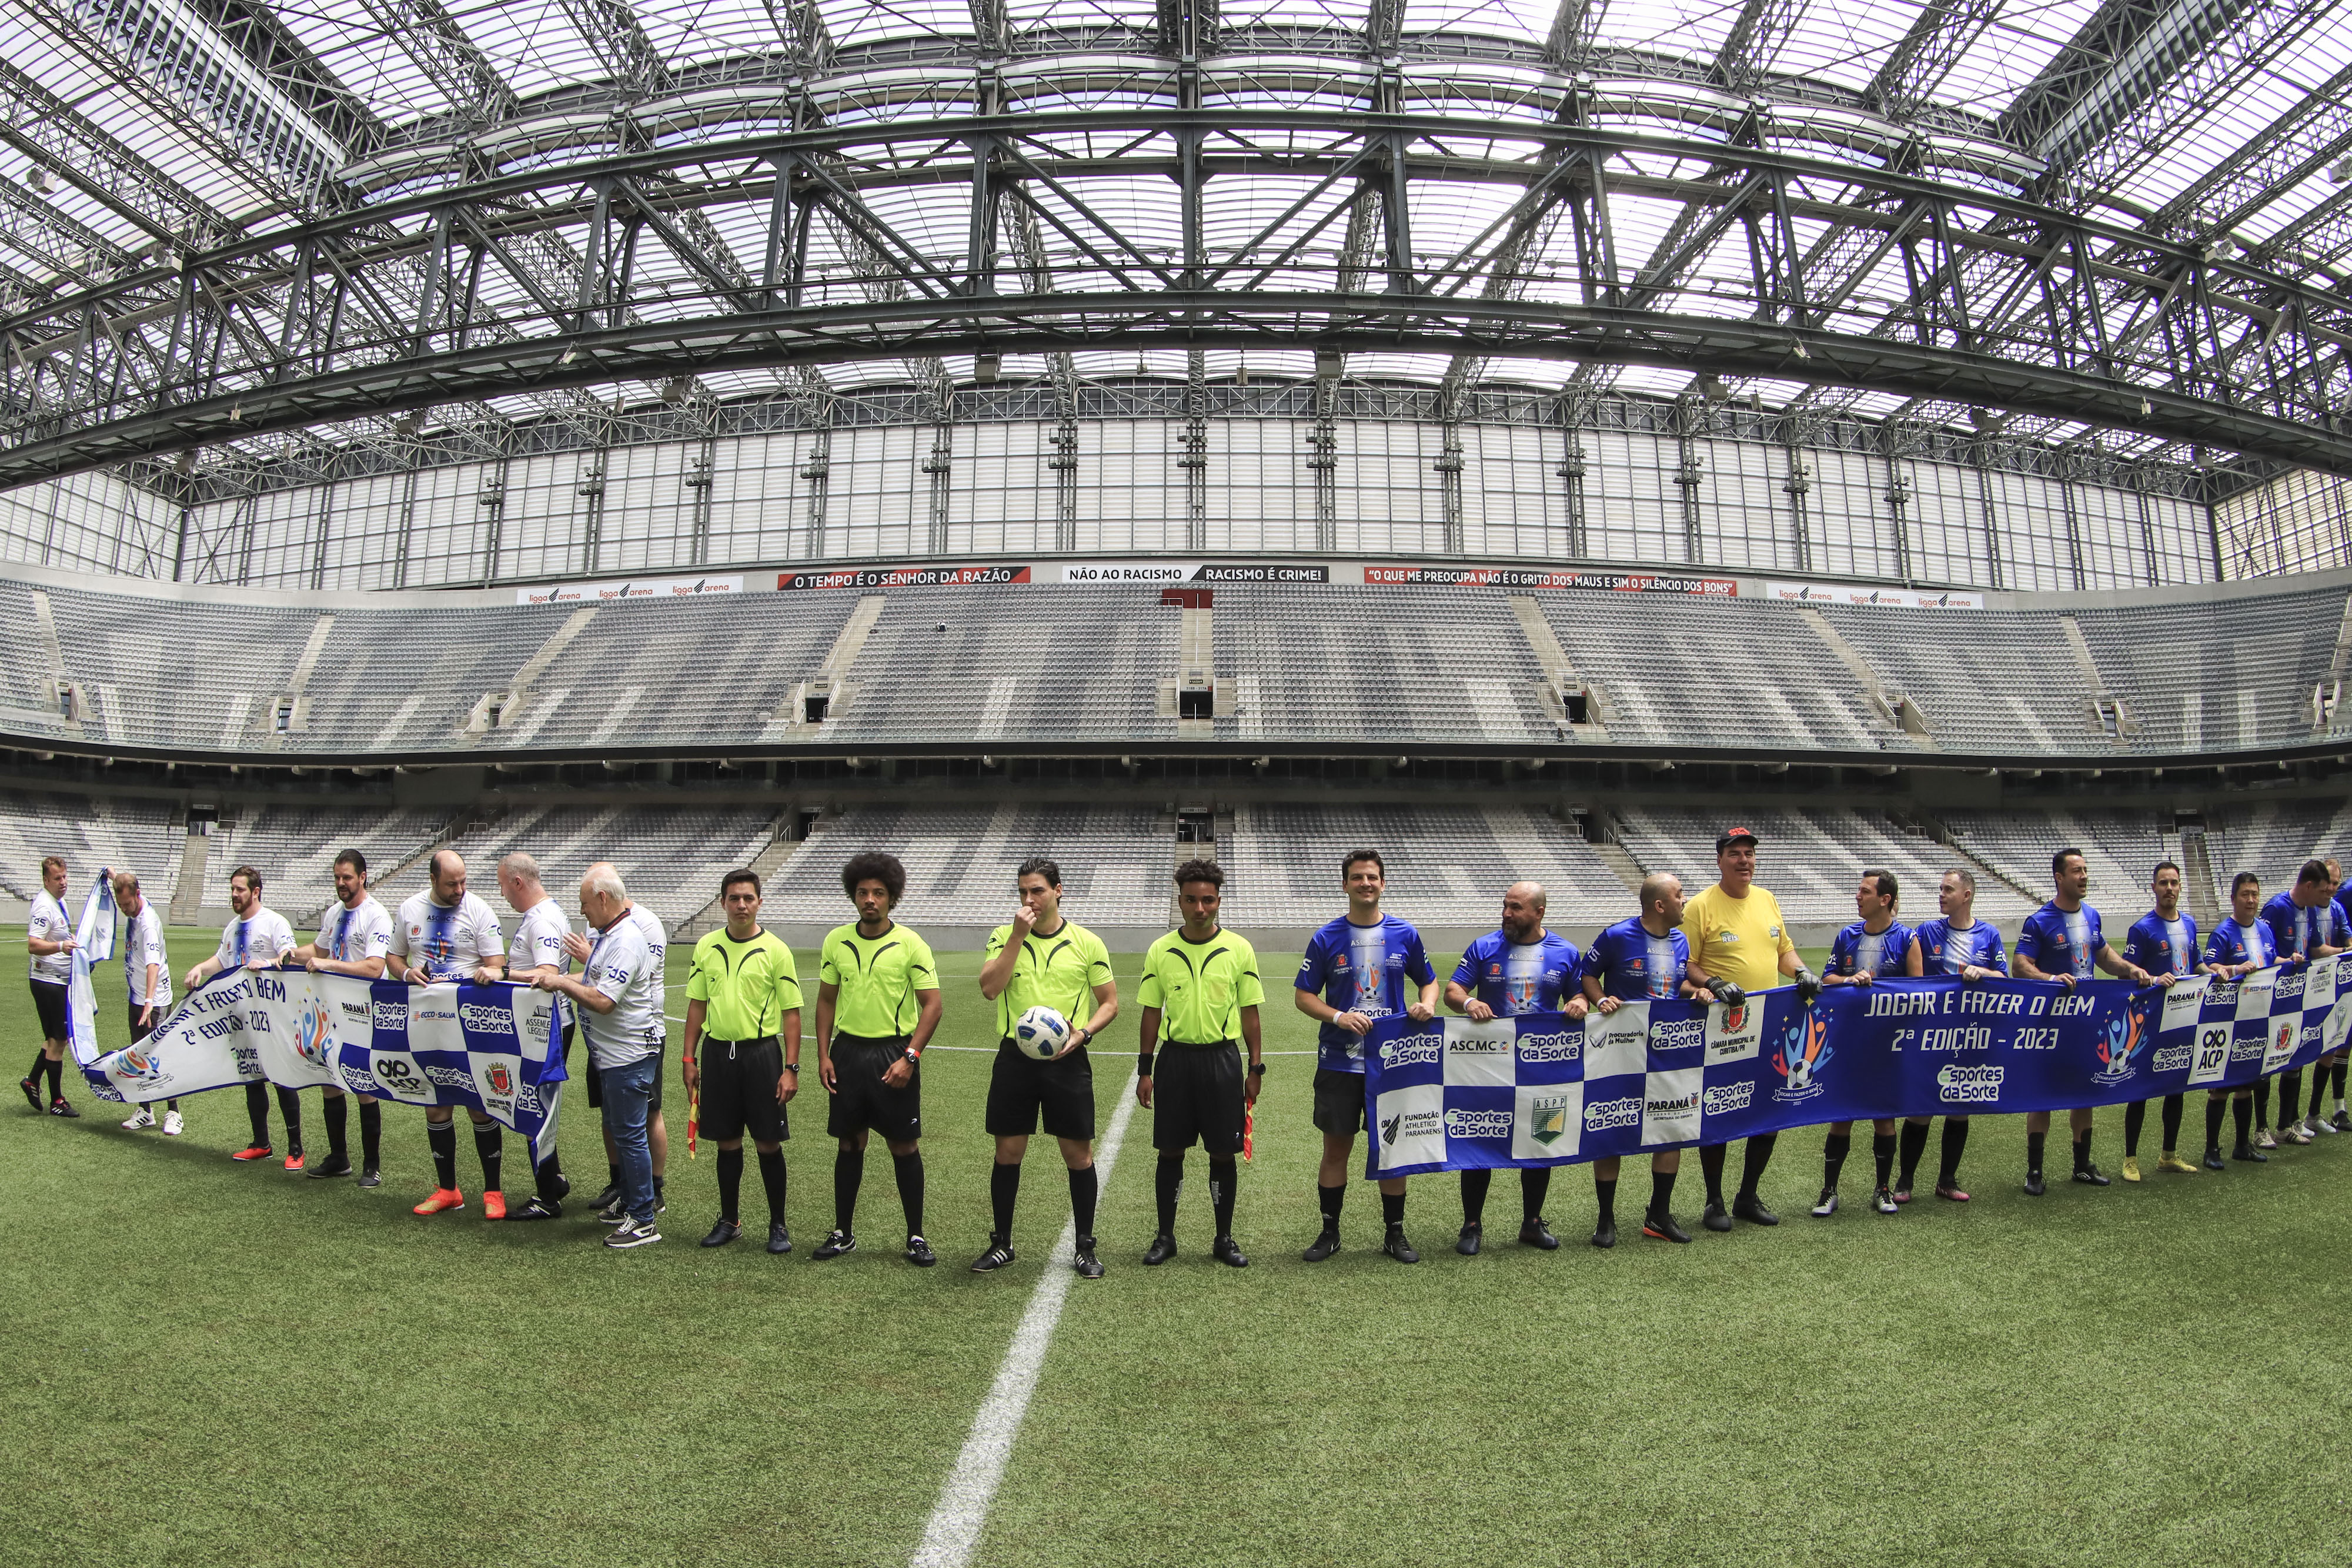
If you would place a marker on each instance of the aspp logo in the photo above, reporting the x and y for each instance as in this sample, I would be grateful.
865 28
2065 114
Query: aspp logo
1805 1051
1548 1119
2120 1050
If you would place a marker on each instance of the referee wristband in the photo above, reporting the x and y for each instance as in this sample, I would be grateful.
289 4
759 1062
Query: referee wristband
1143 1064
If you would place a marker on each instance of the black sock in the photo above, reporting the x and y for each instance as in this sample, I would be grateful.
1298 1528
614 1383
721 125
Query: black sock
1085 1187
256 1111
2216 1107
1331 1198
1473 1195
40 1065
660 1185
289 1106
1391 1209
1604 1198
771 1177
2033 1145
2289 1098
2134 1118
1534 1186
2172 1108
1956 1143
1710 1166
490 1148
848 1171
547 1180
1834 1152
731 1185
1004 1190
613 1175
1224 1174
1913 1143
1881 1154
371 1133
57 1078
2263 1103
909 1168
2241 1112
2337 1078
1751 1165
2082 1150
338 1113
442 1138
1662 1191
1167 1181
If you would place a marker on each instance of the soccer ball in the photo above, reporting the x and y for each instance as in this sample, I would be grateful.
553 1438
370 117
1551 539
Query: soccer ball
1041 1033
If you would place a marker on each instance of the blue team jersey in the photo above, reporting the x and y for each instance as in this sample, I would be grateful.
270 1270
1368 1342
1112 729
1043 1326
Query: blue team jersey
1362 969
1893 944
2296 931
2161 949
1634 965
1945 949
1513 980
2057 943
2234 944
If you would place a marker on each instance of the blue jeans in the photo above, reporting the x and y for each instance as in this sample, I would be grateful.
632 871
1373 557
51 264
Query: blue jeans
628 1092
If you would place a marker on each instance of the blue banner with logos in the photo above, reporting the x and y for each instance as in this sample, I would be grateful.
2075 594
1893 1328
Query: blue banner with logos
1545 1089
496 1049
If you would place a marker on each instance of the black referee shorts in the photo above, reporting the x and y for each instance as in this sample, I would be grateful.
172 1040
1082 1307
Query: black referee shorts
738 1090
1196 1096
50 1001
1021 1087
1339 1102
862 1101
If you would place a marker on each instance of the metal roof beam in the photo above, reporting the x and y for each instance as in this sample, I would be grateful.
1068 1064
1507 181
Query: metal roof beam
1940 35
429 34
621 42
76 148
2286 152
1757 37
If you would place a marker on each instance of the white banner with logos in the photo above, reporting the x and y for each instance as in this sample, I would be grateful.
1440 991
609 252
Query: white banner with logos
629 587
1873 598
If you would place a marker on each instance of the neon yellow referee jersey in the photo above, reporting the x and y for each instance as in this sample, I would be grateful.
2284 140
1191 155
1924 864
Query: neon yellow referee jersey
879 977
1060 972
1201 987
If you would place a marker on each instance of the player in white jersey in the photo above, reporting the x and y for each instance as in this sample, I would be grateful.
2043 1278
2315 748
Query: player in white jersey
355 939
49 938
257 938
537 948
147 977
447 934
620 993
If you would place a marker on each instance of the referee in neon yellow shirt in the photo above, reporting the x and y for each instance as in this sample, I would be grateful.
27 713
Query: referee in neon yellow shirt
1740 942
1040 959
878 1005
743 1052
1201 984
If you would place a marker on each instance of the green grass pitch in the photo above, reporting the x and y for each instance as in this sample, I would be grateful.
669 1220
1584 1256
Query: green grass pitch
213 1363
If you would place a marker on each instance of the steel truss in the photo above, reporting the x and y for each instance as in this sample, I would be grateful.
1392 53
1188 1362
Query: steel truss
1784 266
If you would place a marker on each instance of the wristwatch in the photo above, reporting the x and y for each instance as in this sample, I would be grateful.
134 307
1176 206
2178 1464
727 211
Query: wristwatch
1257 1068
914 1055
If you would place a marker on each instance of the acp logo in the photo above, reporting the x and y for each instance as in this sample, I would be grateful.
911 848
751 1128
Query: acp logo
2119 1050
310 1035
1389 1128
399 1074
1803 1051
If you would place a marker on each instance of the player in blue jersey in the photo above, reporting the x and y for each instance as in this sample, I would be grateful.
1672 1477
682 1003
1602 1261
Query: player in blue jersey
1356 971
1520 968
2329 1073
2237 947
1641 958
1955 943
2164 943
1876 946
2062 942
2307 925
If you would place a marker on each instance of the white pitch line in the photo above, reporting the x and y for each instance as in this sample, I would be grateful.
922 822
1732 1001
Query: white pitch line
954 1528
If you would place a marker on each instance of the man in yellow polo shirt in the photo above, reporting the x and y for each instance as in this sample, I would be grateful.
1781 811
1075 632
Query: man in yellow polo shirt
1202 985
1040 959
877 1004
1740 942
743 1052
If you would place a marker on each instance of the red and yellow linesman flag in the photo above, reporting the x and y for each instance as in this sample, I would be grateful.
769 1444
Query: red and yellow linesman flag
693 1118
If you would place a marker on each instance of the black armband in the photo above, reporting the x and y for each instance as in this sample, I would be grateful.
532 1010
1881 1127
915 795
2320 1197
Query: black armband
1143 1064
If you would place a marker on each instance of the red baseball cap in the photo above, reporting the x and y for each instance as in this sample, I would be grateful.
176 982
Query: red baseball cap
1730 836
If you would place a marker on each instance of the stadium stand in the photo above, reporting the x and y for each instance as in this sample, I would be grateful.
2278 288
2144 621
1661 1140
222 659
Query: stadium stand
90 831
2273 839
294 851
2119 848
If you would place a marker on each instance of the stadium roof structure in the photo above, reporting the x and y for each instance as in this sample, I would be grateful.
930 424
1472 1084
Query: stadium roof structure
239 232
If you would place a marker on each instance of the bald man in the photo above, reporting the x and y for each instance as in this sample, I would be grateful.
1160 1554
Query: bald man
1642 958
1520 968
447 934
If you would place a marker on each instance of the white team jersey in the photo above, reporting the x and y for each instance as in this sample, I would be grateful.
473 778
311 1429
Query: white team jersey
142 944
626 964
446 942
354 935
262 936
48 922
539 944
